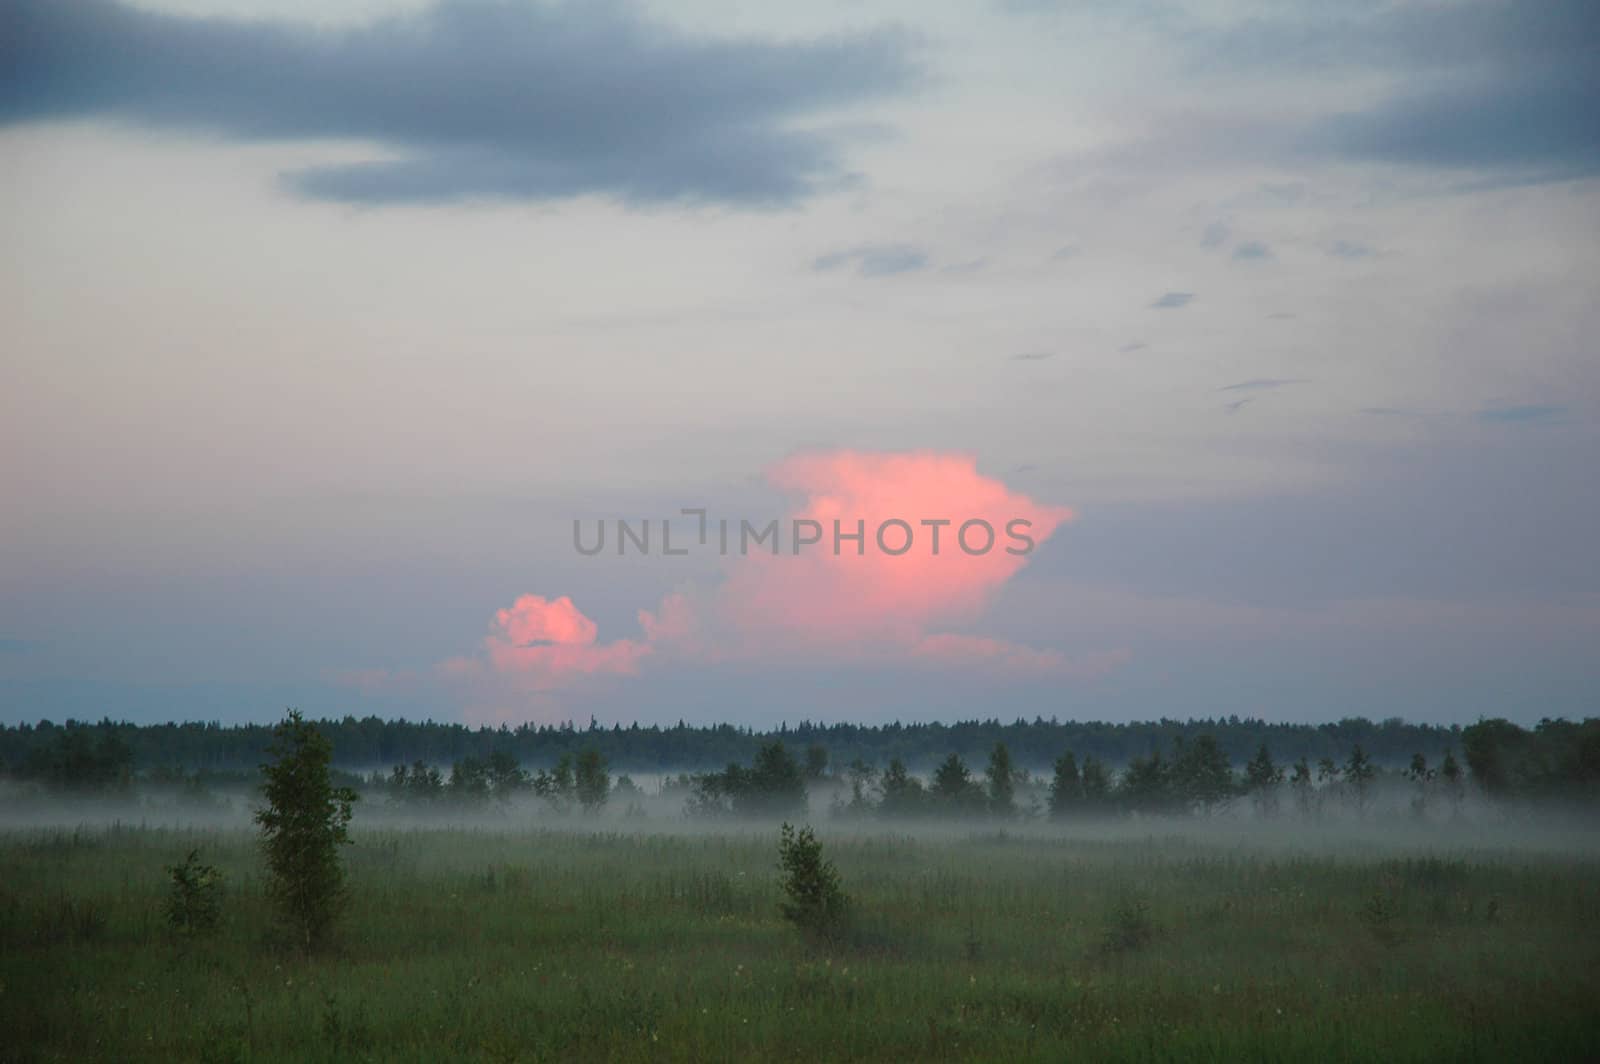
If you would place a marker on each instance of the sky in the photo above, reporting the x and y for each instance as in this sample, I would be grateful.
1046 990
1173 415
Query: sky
321 326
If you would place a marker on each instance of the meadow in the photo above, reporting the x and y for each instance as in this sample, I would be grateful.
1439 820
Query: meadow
660 940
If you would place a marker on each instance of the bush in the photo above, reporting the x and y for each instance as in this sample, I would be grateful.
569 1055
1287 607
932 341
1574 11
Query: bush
1130 926
815 903
195 904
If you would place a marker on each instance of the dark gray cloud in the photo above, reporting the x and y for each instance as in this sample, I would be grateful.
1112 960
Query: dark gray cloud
1173 300
1252 249
1520 415
1261 384
485 99
1482 84
875 260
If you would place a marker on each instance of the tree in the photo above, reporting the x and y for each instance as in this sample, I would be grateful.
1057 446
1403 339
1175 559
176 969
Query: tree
952 783
469 780
1421 776
1262 778
1358 771
816 761
1096 783
1066 787
772 786
420 783
1001 782
813 901
902 792
861 775
1300 781
1201 776
506 776
1450 773
1145 784
194 905
592 781
557 786
303 824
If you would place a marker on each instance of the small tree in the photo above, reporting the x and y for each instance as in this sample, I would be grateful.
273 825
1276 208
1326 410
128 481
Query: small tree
1096 783
861 776
1421 776
195 904
1066 788
1359 772
1262 777
953 786
303 824
814 901
1450 773
1000 782
903 794
816 761
506 775
1300 781
592 781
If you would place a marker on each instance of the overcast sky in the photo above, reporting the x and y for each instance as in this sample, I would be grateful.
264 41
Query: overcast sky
1278 321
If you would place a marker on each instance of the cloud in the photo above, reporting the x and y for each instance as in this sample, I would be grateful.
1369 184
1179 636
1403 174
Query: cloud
1491 84
875 260
1173 300
1520 415
1252 249
1262 384
970 266
1033 356
1345 249
939 541
1128 349
467 100
1215 235
547 641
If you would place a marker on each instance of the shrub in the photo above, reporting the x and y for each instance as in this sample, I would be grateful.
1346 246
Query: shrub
815 903
1130 926
194 905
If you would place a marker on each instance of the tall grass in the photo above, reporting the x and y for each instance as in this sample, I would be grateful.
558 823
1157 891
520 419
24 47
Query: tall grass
569 945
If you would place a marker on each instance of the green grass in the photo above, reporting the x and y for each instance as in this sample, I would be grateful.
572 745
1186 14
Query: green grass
564 945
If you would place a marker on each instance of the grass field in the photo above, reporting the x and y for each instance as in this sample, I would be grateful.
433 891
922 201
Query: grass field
1098 943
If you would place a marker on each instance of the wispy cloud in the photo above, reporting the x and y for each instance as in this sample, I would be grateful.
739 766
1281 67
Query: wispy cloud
1346 249
1520 415
1260 384
1252 249
875 260
1173 300
1033 356
470 100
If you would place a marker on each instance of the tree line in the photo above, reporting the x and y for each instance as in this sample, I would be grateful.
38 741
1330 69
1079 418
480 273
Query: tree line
1191 770
364 743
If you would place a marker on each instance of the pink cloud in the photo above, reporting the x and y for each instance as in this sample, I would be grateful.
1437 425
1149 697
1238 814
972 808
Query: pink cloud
911 571
545 643
939 541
